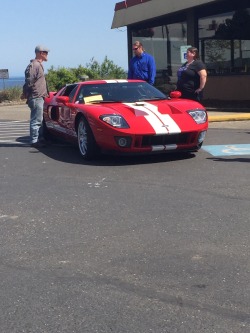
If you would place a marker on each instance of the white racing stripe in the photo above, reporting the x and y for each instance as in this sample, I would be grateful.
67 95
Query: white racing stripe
116 81
161 123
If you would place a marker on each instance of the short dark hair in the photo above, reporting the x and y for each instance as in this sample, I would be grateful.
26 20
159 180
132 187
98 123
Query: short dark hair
195 51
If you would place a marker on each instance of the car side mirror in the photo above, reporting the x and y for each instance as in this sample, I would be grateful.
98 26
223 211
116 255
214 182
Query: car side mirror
175 94
63 99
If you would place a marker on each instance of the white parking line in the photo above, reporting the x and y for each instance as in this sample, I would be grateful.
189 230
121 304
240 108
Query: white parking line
14 132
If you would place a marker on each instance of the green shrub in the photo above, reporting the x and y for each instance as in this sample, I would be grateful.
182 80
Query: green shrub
58 77
11 94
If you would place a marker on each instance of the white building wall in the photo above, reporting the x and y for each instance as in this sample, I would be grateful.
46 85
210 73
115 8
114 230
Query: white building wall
152 9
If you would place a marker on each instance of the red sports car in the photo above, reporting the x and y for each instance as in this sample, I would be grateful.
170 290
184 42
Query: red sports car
124 116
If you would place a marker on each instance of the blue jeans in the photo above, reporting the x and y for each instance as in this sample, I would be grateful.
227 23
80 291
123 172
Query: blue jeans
36 119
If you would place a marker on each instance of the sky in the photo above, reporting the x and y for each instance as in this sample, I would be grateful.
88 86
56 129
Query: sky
75 32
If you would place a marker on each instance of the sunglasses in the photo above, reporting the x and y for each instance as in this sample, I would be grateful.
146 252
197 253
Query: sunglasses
44 52
136 48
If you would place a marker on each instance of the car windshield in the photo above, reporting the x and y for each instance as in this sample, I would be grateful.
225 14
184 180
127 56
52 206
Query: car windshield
125 92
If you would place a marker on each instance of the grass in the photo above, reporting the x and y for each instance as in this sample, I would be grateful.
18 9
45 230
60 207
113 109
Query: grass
10 94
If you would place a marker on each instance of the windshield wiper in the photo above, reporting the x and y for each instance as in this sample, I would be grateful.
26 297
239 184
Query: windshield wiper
97 101
152 98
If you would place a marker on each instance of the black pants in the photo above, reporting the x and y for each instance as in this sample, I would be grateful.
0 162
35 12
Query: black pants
192 95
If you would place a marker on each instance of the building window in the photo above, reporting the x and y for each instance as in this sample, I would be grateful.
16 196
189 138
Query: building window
225 42
164 44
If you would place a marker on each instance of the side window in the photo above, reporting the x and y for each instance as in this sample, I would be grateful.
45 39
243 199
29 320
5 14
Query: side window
72 93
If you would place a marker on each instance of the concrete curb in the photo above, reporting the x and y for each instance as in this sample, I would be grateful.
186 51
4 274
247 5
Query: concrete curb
229 117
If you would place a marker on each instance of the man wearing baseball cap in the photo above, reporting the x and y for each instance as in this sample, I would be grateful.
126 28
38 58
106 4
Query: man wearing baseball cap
35 90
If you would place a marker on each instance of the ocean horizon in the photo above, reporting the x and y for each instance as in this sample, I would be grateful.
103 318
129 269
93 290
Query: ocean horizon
15 81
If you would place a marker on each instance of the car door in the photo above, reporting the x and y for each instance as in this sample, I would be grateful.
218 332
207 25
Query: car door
65 116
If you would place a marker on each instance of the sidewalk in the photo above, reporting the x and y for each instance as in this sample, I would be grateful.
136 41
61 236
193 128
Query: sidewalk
21 112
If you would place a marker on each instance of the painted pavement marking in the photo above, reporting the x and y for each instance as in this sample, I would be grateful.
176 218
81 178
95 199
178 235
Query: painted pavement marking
14 131
228 150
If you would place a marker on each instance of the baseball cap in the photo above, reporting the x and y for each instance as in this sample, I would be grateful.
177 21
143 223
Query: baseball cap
41 48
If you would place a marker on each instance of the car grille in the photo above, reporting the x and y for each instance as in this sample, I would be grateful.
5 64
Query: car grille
167 139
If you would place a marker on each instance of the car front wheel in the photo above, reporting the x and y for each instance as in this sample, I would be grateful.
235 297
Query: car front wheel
86 141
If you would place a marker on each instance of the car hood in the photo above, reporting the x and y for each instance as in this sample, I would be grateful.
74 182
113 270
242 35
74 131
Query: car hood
156 117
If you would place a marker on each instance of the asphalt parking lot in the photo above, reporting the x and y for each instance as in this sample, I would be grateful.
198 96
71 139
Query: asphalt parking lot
149 244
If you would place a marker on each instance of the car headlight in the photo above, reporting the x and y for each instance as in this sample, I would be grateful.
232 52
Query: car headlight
199 116
114 120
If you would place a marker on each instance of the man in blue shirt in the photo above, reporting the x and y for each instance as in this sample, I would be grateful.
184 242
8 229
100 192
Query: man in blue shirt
142 65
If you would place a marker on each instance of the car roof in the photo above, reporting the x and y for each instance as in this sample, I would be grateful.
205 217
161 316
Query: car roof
107 81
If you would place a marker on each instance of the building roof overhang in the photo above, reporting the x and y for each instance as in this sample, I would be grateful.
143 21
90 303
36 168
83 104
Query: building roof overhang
134 11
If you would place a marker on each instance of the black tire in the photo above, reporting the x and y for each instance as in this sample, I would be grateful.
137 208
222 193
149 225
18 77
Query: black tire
86 141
